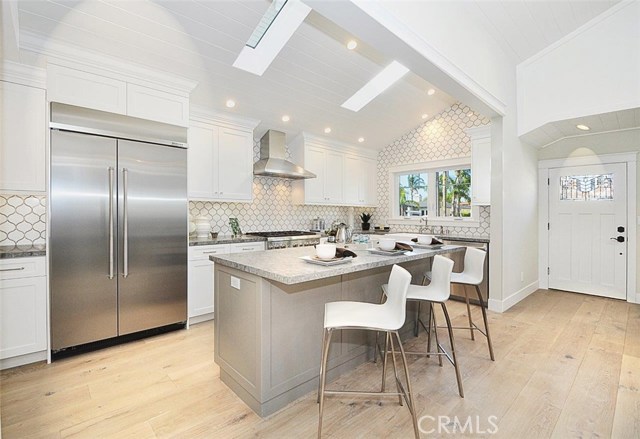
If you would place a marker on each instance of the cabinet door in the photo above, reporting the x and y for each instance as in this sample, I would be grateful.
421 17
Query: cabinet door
353 184
481 171
235 165
23 316
83 89
157 105
334 168
369 179
22 138
314 161
202 159
200 287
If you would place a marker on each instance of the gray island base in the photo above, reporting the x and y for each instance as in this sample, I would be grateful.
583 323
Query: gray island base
270 312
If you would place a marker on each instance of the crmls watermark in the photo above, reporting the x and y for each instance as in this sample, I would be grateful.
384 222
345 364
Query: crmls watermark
451 425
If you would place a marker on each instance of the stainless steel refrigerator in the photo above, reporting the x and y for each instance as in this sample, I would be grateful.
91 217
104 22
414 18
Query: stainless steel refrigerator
118 226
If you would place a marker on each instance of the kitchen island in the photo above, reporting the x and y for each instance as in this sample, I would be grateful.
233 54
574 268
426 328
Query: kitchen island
270 312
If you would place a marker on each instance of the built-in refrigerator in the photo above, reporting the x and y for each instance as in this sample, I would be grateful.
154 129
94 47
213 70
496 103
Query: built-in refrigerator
118 226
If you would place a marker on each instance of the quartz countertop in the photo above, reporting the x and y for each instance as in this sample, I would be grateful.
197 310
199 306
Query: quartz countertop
285 265
225 239
22 251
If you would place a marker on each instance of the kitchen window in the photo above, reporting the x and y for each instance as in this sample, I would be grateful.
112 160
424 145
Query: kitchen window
438 190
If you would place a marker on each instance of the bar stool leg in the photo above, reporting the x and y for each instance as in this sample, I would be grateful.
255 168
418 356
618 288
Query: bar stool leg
416 327
435 334
453 349
384 361
409 392
375 347
466 297
486 324
323 376
324 341
395 369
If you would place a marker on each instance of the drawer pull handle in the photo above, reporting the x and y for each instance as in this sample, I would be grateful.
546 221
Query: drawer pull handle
214 251
249 248
12 269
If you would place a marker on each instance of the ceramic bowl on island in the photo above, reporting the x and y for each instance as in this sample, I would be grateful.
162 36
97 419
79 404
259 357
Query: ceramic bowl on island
425 239
387 244
326 251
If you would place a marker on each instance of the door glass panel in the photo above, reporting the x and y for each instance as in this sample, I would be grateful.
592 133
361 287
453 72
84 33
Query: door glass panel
586 187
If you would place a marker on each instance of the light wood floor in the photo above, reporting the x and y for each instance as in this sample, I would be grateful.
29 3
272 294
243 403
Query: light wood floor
567 365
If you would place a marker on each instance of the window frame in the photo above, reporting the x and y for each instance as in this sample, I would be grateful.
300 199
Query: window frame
431 168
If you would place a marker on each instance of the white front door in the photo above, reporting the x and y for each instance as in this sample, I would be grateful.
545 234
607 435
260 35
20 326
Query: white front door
588 229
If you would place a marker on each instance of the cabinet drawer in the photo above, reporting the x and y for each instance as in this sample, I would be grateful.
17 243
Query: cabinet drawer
204 251
16 268
246 247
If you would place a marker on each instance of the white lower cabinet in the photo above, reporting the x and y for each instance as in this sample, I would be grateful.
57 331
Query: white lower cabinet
200 289
23 311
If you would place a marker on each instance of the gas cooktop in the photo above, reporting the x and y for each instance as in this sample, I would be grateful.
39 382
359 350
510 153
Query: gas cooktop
285 233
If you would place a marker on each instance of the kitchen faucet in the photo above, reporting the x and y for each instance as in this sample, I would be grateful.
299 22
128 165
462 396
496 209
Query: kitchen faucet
425 228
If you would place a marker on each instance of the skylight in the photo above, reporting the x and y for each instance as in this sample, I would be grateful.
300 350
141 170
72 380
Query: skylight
382 81
274 30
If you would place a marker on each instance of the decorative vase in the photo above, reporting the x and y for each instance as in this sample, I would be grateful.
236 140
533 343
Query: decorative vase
366 226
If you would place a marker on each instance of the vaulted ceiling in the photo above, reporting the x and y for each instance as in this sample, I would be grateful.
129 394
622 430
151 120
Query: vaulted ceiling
308 81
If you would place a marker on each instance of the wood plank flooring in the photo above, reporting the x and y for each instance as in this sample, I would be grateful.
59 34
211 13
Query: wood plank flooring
567 365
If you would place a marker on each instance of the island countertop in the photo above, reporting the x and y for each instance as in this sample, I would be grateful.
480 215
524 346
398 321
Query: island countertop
287 267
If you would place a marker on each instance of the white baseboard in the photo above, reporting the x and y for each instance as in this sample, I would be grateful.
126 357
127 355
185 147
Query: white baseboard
503 305
21 360
201 318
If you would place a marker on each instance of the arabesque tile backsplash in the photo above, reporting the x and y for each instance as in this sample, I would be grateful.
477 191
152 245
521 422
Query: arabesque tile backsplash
23 217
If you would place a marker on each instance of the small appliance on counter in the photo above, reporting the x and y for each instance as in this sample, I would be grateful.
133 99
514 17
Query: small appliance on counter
288 238
317 225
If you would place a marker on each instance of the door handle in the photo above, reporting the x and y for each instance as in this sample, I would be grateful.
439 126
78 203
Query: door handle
618 238
125 225
111 258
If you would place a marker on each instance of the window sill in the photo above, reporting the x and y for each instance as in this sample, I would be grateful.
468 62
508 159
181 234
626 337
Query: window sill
445 222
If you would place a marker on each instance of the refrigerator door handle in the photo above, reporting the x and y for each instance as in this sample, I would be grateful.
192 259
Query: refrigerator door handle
125 226
111 234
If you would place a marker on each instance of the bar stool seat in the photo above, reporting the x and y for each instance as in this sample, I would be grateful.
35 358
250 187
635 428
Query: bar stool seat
387 317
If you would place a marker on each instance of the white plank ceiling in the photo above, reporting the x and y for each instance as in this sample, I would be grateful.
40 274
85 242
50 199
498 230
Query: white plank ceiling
309 80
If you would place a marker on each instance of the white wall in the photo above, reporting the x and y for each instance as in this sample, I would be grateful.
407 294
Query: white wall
594 70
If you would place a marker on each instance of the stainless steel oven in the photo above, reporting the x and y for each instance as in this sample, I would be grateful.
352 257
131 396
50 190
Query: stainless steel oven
288 238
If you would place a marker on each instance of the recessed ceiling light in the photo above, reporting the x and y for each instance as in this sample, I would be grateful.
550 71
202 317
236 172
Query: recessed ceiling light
327 130
230 103
377 85
431 92
286 118
424 116
360 139
583 127
352 44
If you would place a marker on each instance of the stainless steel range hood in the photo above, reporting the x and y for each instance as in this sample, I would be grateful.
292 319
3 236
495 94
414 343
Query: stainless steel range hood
272 161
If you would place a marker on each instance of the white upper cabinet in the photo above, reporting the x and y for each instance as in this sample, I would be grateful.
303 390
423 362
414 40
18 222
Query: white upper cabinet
220 159
75 87
359 181
345 175
23 129
480 165
86 86
147 103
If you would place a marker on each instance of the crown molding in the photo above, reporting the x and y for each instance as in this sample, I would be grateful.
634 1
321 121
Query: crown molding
23 74
65 55
335 145
205 115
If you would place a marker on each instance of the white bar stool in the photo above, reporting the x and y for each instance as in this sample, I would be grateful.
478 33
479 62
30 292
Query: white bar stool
473 274
388 318
437 292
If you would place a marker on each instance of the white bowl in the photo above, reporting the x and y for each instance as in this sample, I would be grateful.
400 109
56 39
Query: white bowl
387 244
425 239
326 251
